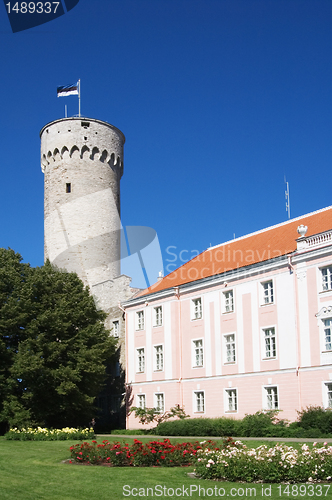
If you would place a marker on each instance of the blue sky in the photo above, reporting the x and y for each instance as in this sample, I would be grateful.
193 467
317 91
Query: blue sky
218 100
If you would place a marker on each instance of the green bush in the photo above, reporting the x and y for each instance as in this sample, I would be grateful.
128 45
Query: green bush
316 417
199 427
261 424
314 422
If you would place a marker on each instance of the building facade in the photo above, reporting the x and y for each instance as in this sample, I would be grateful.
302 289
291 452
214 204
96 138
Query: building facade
242 327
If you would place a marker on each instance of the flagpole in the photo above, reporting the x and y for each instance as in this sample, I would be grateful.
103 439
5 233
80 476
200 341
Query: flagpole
79 98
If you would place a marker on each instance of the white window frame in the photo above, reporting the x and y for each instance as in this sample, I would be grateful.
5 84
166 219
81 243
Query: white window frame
141 397
327 334
267 293
140 357
199 401
265 345
228 299
326 278
158 357
116 328
232 352
271 397
156 398
327 394
197 351
158 316
231 400
140 320
196 308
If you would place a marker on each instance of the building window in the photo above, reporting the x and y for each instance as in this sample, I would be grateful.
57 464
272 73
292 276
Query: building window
231 400
268 292
159 402
140 320
228 301
327 334
116 328
198 352
270 343
197 308
271 398
158 316
199 401
159 357
68 187
328 395
140 360
230 348
327 278
141 402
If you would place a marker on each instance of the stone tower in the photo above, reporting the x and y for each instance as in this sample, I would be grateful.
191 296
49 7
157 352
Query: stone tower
82 160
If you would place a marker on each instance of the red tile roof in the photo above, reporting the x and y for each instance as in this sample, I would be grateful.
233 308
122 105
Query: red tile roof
256 247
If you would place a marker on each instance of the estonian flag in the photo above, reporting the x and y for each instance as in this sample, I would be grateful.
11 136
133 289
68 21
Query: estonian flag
67 90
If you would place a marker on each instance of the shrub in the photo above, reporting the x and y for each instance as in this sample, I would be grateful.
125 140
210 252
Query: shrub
314 422
263 424
41 434
316 417
199 427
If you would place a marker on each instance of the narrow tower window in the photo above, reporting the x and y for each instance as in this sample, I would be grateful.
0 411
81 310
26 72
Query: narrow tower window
68 187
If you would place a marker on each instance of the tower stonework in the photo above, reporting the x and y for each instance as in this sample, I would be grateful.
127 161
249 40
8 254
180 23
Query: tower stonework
82 161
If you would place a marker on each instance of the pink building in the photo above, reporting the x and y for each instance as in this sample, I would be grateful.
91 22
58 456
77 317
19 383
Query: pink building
244 326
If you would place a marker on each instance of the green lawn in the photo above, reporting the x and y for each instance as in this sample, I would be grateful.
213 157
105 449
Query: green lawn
33 470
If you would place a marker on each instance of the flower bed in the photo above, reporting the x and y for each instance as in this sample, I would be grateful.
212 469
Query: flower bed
41 434
276 464
155 453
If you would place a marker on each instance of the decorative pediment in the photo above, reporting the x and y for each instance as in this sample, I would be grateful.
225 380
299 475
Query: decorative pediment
325 312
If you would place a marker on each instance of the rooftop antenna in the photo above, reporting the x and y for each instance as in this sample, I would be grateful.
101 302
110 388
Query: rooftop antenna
287 198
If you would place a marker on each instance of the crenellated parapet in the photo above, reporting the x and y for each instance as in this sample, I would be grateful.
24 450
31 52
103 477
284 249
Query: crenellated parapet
82 139
84 153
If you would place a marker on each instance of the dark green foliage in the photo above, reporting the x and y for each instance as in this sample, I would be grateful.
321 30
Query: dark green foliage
263 424
260 424
316 417
199 427
53 346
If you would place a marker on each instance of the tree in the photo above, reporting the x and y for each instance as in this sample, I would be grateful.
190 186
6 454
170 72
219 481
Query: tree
56 344
148 415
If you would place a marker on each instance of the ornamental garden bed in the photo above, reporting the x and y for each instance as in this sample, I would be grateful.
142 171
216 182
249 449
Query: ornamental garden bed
228 461
152 454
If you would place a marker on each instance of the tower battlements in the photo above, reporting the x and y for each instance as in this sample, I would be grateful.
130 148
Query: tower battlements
87 137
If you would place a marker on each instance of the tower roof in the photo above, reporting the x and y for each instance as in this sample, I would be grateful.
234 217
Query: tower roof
253 248
82 119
